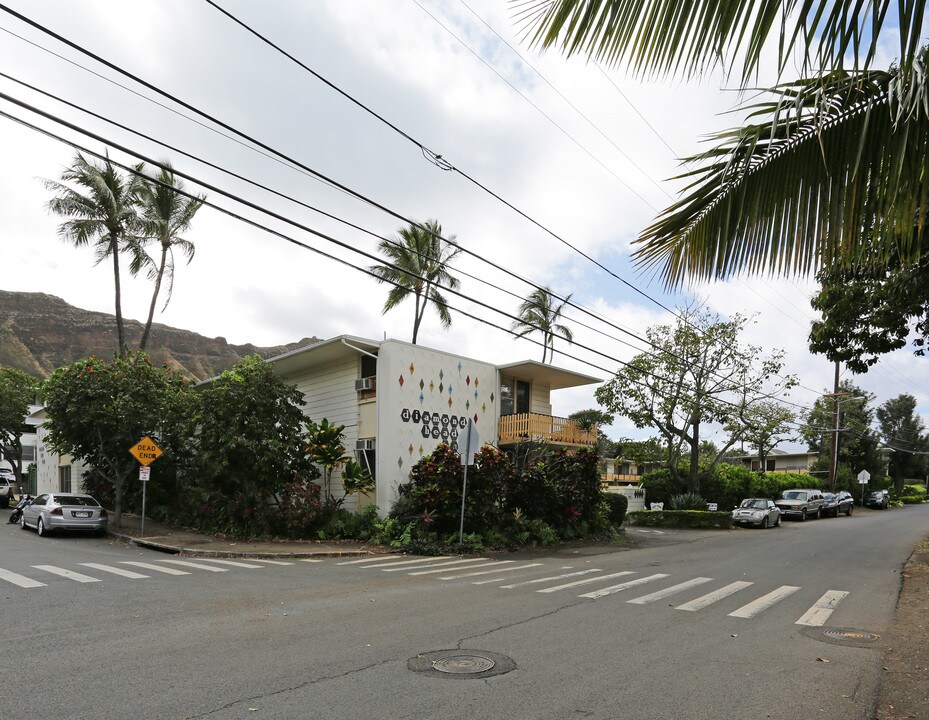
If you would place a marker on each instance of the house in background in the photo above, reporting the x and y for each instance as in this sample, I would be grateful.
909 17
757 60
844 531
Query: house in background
781 461
398 401
29 442
54 472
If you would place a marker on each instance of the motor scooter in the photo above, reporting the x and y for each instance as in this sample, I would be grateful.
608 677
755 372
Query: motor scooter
17 513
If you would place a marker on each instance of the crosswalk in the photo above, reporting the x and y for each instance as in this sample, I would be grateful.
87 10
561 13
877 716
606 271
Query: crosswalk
545 576
581 582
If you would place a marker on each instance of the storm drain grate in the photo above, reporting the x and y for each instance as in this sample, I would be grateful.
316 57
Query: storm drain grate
461 664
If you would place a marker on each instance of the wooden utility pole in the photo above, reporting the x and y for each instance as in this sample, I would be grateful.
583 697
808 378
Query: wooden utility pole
834 450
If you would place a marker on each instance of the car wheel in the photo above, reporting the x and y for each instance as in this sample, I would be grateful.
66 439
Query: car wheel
849 511
22 521
764 523
818 513
777 523
803 515
40 528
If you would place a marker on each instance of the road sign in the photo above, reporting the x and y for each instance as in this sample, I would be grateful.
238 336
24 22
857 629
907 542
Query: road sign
473 444
146 451
145 472
863 477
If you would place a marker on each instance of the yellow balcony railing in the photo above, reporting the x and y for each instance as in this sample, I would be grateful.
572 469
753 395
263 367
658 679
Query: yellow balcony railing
544 428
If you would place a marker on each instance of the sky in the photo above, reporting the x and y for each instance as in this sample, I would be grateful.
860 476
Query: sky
557 163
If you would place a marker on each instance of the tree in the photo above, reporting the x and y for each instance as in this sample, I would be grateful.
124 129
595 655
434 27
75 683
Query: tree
252 433
858 444
102 205
97 411
17 393
904 432
697 374
167 211
591 419
870 310
830 167
326 448
418 261
539 314
765 425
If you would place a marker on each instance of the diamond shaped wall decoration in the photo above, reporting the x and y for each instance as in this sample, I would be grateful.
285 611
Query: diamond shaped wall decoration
484 408
467 404
421 398
410 448
475 417
475 394
401 381
441 375
411 369
459 367
441 388
421 451
491 397
449 402
431 386
468 380
476 382
422 384
399 462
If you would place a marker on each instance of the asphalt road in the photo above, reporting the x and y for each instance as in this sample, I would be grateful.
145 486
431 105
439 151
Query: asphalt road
340 638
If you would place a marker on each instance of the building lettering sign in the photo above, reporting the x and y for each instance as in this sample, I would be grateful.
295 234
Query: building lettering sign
438 426
146 451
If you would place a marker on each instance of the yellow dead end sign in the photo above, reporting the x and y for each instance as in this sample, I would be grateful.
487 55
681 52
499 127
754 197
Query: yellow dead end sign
146 451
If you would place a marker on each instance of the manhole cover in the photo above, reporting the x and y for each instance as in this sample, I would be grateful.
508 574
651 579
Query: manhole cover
464 664
461 664
853 635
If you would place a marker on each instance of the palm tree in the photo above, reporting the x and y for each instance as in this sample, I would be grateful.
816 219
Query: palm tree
417 265
102 205
831 166
539 314
167 211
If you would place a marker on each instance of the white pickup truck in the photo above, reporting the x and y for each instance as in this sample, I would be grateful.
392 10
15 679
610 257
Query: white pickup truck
7 487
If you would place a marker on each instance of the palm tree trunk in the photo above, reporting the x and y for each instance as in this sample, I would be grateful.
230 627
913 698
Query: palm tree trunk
151 309
120 330
419 311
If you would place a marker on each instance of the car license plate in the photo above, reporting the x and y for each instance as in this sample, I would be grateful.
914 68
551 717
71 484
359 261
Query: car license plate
81 513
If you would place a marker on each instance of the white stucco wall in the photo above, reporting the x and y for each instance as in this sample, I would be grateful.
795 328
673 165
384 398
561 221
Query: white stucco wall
424 397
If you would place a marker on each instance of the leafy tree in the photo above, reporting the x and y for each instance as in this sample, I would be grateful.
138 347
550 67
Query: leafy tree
588 420
17 392
166 212
417 265
326 448
539 314
828 167
102 206
871 310
252 433
97 411
903 431
858 444
697 374
765 425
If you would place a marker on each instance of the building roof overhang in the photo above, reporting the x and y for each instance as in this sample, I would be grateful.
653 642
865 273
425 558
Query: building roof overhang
327 351
556 378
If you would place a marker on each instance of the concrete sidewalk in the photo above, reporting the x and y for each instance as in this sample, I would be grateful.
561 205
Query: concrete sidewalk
179 541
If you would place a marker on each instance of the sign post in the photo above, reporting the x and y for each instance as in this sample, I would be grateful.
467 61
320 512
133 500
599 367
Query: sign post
146 452
472 445
863 478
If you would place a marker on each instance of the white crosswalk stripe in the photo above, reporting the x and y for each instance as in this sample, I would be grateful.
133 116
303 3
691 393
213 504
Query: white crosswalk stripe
496 570
69 574
822 609
586 581
710 598
312 560
418 561
442 565
623 586
20 580
116 571
155 568
270 562
550 578
764 602
511 568
195 566
495 563
232 563
668 592
369 559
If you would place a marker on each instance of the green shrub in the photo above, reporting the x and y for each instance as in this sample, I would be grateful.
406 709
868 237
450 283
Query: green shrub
617 504
660 486
680 519
727 485
686 501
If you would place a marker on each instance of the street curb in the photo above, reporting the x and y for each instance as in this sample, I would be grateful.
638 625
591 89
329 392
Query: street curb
197 552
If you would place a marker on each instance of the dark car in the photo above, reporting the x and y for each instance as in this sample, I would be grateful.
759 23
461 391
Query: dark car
839 502
877 499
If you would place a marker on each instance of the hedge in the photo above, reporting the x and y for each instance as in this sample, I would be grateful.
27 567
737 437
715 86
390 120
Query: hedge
680 519
618 504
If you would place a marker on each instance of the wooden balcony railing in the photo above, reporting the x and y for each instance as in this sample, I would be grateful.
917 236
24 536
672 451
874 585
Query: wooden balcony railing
544 428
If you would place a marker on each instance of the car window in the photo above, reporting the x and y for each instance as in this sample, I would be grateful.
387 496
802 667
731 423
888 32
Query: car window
75 500
794 495
41 500
762 504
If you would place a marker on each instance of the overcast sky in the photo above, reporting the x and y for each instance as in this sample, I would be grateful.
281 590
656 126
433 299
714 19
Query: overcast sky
584 153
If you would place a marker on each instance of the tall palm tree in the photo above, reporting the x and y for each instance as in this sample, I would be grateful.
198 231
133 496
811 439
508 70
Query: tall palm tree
831 166
539 314
417 265
102 206
167 211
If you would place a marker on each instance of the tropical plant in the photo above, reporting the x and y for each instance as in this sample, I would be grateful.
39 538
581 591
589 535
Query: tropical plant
417 265
167 211
538 313
326 448
17 393
102 206
832 165
687 501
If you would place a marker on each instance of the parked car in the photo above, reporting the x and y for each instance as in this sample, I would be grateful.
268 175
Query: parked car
839 502
64 511
759 512
7 489
802 503
877 499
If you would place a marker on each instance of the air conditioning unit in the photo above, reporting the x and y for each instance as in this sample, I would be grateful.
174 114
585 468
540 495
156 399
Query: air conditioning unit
369 444
364 384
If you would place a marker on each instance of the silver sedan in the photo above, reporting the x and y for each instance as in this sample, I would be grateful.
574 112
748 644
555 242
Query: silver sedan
759 512
64 511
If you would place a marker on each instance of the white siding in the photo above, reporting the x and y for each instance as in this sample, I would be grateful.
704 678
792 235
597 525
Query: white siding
540 401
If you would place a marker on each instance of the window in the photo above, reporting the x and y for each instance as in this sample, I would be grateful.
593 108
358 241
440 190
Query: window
28 453
64 478
514 397
366 459
368 366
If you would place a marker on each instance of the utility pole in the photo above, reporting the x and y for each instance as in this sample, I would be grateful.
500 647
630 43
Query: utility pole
834 450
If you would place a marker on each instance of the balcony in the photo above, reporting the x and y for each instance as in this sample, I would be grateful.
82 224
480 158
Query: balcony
545 429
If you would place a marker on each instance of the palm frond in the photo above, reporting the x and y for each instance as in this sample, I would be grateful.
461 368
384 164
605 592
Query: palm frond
836 165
